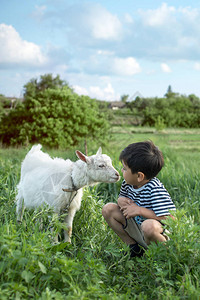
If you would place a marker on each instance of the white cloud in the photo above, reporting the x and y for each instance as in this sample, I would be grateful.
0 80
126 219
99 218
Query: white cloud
39 12
87 41
159 16
105 63
128 18
106 93
61 69
103 24
109 89
156 34
197 66
87 23
96 92
105 52
126 66
168 32
165 68
14 50
80 90
189 13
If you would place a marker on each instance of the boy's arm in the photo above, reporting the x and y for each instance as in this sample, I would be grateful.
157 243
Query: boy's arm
130 209
123 201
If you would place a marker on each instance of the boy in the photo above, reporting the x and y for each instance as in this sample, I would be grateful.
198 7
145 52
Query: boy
143 200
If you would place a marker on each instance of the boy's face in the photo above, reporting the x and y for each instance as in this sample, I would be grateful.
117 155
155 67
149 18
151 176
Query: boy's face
129 177
133 179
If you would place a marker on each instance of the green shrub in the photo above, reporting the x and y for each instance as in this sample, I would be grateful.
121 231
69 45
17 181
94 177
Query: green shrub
55 118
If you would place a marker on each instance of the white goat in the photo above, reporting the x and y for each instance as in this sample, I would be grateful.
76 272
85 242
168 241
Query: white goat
58 182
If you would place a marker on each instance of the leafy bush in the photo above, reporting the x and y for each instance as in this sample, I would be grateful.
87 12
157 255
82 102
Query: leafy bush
56 118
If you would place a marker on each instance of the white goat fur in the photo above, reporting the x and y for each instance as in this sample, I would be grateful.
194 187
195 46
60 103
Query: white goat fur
43 179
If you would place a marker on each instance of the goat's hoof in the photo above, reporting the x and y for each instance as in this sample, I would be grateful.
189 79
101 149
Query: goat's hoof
67 241
55 243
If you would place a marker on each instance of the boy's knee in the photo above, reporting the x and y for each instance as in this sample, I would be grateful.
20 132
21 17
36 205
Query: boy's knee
108 209
151 227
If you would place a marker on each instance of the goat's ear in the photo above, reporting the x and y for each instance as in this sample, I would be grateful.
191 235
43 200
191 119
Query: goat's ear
81 156
99 152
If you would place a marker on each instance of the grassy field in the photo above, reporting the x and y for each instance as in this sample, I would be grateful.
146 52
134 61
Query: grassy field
93 266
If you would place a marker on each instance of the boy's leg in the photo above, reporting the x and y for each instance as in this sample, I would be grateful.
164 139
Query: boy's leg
152 231
135 232
115 219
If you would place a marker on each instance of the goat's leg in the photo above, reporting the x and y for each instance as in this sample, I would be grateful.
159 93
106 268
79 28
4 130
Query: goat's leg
69 221
20 208
55 238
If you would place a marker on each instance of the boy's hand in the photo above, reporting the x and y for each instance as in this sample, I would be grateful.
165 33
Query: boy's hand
128 208
123 201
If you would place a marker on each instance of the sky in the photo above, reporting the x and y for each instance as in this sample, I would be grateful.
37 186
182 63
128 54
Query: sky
104 49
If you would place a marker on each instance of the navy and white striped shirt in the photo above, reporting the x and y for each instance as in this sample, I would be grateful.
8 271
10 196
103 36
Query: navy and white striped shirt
152 195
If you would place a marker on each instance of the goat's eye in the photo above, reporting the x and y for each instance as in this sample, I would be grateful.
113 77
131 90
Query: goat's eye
101 166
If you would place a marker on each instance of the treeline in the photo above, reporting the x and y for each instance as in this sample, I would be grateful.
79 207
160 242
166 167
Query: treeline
52 114
173 110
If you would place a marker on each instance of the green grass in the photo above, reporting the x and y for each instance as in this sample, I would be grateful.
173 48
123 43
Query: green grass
93 266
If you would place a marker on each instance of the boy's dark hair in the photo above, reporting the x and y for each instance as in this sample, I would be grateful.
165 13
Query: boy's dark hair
143 157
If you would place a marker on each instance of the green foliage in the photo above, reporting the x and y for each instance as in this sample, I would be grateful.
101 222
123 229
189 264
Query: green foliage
6 104
94 266
35 86
159 124
170 93
174 267
10 125
56 117
175 111
124 98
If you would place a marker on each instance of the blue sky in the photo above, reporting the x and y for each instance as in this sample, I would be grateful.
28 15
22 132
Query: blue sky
104 49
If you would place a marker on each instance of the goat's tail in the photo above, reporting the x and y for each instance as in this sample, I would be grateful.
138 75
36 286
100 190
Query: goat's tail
35 148
32 159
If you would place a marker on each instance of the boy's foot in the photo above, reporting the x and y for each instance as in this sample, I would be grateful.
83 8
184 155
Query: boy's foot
136 250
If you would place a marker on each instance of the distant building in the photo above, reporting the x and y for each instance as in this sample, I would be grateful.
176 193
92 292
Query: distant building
117 105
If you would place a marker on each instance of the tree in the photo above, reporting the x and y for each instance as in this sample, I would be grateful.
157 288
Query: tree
10 125
35 86
170 93
4 102
124 98
56 118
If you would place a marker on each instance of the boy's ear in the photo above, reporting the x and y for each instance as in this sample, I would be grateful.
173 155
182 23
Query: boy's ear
141 176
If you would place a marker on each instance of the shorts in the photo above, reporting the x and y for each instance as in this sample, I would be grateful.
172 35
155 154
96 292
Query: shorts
134 230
